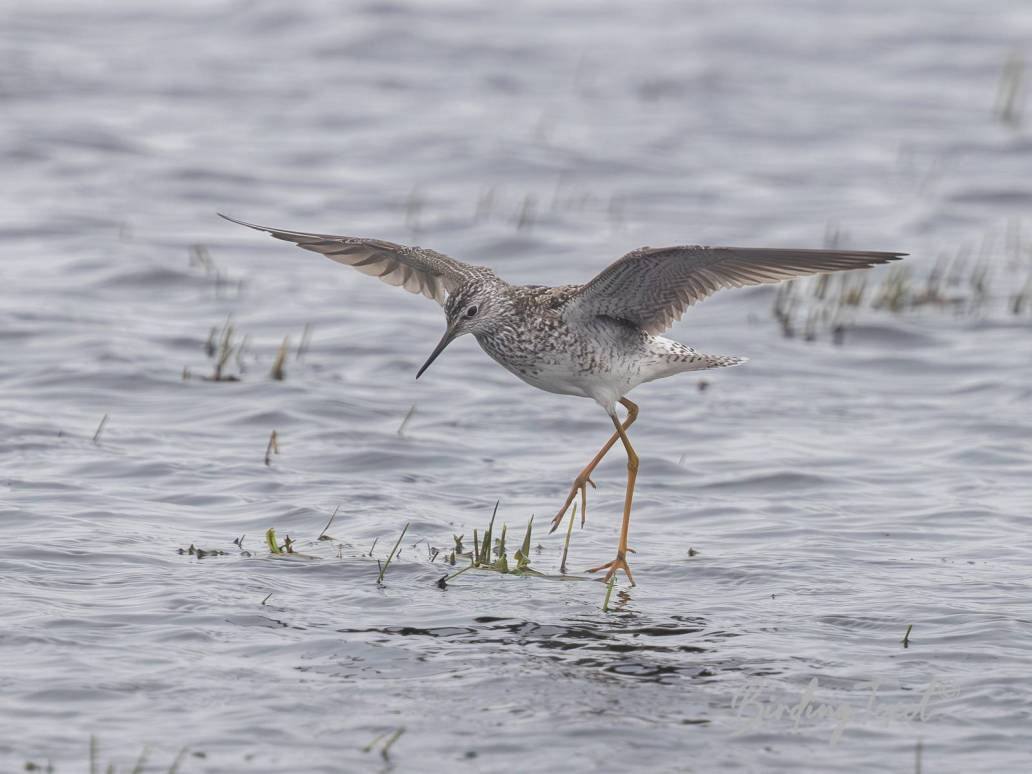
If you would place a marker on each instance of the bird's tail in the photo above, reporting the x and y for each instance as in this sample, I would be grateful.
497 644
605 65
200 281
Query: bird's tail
673 357
723 361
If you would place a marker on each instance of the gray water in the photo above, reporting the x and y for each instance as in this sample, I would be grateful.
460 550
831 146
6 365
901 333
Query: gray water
792 519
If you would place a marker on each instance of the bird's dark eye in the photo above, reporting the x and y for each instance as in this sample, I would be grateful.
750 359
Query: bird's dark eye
472 311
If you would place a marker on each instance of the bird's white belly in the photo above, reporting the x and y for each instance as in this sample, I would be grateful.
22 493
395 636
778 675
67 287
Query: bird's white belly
559 378
565 375
603 363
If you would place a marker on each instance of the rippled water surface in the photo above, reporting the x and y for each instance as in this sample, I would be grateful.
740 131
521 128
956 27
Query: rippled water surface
793 518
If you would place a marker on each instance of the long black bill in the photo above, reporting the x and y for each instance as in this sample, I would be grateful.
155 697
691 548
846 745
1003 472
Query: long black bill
444 342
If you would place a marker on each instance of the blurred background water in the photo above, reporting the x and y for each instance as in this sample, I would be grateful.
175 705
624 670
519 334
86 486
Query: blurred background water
866 471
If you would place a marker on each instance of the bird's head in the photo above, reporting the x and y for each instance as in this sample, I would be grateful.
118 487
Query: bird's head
469 309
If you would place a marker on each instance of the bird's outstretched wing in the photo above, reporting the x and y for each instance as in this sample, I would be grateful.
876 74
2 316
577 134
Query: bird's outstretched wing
653 286
414 268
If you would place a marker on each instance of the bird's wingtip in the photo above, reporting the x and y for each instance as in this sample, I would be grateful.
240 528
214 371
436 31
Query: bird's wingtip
224 216
255 226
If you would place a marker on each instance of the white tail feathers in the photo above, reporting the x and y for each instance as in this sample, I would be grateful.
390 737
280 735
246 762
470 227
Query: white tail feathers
673 357
722 361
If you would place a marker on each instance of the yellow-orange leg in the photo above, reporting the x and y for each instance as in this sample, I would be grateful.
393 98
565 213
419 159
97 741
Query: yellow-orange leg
620 563
580 484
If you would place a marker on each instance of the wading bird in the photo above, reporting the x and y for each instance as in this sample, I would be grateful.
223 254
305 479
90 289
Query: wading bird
599 340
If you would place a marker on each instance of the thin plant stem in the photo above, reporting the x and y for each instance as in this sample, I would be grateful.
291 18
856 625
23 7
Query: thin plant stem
609 593
322 534
387 564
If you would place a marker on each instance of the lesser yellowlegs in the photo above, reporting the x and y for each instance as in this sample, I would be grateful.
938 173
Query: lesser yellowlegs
598 340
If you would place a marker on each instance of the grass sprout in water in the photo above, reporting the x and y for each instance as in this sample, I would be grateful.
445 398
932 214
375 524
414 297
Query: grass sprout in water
271 448
1010 92
490 551
221 347
966 284
138 768
279 372
609 593
287 549
228 352
390 557
100 429
388 738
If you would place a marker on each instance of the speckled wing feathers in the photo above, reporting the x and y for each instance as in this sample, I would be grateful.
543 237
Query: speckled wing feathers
414 268
652 287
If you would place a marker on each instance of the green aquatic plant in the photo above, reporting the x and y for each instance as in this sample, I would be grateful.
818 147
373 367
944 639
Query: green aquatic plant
323 535
501 563
271 448
390 557
388 740
100 429
493 555
484 552
992 279
222 354
405 421
522 555
609 592
287 549
138 768
1010 91
279 372
306 340
274 547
